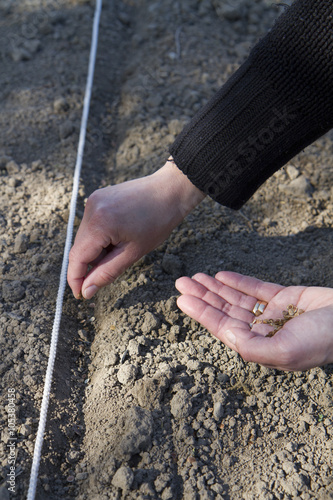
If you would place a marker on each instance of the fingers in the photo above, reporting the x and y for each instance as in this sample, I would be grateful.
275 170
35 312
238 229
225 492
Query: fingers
218 288
236 289
261 290
217 306
277 352
106 270
224 306
88 248
215 320
188 286
80 257
109 268
93 238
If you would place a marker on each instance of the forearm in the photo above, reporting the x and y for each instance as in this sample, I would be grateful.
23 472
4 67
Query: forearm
278 102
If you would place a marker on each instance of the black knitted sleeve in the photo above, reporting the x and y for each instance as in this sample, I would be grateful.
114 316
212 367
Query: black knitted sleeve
277 103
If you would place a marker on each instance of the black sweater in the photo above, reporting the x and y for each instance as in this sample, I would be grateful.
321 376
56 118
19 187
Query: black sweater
277 103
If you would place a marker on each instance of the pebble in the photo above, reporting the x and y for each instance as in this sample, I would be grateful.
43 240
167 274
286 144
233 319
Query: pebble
123 478
161 482
225 10
289 467
20 54
111 359
135 433
149 391
218 488
36 165
133 348
175 127
251 401
60 105
73 456
150 322
35 236
21 243
193 365
167 494
126 374
12 167
298 187
223 378
13 291
32 46
81 476
66 129
181 404
292 172
25 430
293 484
218 410
12 182
124 18
173 265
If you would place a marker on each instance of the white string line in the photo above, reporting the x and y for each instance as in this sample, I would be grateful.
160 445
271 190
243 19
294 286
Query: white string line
63 274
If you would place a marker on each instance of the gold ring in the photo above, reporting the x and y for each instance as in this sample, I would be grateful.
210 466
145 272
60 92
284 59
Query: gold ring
259 307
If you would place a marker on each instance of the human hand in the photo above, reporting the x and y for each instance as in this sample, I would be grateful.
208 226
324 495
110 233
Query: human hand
122 223
224 306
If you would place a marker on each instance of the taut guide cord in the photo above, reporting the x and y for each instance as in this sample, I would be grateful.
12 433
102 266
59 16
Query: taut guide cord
68 243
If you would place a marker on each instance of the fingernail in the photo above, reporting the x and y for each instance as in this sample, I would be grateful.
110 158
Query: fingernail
90 291
230 337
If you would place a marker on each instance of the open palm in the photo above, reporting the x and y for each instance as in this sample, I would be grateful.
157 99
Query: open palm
224 306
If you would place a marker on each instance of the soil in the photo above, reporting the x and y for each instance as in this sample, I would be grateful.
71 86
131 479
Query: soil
145 403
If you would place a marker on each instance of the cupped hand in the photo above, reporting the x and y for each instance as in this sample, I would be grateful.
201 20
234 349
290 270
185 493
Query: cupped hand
122 223
224 306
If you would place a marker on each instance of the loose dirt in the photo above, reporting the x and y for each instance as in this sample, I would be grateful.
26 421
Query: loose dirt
145 403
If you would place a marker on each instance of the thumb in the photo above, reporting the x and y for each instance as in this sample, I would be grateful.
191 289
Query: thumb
254 347
108 269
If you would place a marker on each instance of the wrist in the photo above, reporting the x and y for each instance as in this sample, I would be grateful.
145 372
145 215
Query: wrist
179 189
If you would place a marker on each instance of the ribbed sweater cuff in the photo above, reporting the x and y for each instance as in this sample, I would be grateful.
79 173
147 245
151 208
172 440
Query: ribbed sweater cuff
262 117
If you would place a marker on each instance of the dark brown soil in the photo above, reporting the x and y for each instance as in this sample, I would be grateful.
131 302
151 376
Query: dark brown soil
145 403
